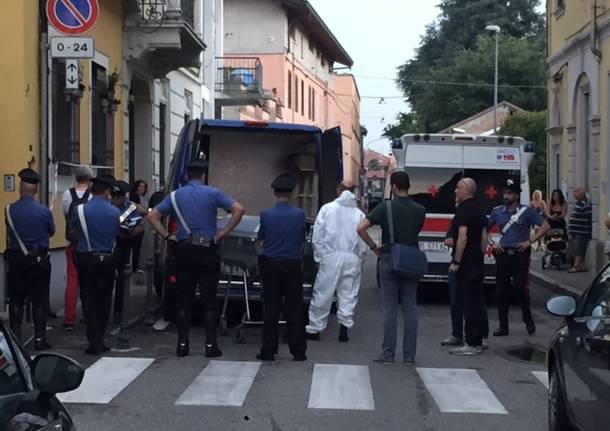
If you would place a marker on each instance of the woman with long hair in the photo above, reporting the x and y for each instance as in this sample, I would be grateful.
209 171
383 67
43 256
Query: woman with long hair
539 205
138 196
556 210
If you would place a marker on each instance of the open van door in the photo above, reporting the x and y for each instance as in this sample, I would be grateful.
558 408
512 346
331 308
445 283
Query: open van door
331 164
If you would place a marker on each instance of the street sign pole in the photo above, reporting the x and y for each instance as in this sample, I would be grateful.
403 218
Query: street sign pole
72 75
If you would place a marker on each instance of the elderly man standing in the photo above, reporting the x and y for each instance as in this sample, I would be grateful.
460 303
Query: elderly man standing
580 229
340 252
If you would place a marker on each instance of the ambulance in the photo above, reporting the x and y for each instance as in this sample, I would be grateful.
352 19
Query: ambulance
436 162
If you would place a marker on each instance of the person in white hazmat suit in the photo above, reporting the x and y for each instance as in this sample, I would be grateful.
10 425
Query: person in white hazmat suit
340 253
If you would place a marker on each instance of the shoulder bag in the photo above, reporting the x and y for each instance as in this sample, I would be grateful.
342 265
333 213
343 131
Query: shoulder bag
405 260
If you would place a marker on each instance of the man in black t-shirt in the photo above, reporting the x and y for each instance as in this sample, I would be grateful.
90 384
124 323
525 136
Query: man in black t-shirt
469 238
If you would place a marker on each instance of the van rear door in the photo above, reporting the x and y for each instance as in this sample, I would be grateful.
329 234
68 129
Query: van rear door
331 164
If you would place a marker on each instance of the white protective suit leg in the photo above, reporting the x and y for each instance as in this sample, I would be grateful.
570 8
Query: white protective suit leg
323 293
347 288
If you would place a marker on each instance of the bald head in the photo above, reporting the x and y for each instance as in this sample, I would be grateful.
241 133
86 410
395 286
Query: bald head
580 193
466 189
345 185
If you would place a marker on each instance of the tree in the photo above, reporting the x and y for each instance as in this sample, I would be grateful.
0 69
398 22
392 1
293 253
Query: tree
521 64
532 127
406 123
457 29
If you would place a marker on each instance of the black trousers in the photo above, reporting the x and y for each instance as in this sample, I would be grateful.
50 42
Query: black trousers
137 247
197 267
28 277
512 278
121 253
470 293
96 275
283 280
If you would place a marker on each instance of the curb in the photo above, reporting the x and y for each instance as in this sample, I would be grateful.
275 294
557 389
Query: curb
553 285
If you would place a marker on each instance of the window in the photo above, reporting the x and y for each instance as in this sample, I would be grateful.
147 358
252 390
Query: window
312 45
302 46
560 8
313 104
66 120
289 90
296 93
162 143
11 378
102 130
302 97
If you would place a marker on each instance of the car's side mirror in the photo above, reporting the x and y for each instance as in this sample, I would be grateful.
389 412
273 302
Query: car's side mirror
562 306
54 374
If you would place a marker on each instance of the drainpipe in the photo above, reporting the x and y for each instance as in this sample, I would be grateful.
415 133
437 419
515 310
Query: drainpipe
43 153
594 33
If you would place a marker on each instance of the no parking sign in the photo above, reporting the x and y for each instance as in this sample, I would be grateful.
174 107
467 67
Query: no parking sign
72 17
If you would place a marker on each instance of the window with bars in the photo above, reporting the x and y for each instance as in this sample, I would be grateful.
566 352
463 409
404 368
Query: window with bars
102 145
302 97
289 90
296 93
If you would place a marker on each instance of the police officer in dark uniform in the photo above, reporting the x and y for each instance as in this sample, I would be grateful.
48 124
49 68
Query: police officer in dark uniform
282 232
95 226
131 226
197 254
512 254
29 227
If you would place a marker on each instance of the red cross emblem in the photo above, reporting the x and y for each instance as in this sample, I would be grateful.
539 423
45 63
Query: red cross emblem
433 190
491 192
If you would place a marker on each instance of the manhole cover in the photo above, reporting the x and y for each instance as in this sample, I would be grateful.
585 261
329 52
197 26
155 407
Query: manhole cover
529 353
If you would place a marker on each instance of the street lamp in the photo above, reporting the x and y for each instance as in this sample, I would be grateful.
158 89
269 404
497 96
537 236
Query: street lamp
495 29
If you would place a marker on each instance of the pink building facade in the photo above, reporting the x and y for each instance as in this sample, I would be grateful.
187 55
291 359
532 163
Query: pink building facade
297 54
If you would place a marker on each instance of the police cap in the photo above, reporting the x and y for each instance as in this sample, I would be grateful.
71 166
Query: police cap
513 186
104 180
29 176
120 188
284 183
197 164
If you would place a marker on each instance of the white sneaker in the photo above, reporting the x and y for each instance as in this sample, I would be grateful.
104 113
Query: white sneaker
451 341
466 350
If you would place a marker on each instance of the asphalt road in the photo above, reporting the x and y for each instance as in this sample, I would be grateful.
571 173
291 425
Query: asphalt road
339 387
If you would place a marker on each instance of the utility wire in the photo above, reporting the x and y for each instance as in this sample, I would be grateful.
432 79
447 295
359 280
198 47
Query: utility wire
460 84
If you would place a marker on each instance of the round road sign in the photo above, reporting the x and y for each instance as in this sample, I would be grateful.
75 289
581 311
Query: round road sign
73 16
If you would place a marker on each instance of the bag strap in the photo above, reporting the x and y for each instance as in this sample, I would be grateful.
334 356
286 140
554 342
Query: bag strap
179 214
127 213
388 205
83 224
9 219
514 219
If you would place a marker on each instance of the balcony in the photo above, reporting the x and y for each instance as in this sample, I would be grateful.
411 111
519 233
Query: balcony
238 81
163 34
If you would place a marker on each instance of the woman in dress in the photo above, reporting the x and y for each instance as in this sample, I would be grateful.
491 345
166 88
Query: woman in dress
556 210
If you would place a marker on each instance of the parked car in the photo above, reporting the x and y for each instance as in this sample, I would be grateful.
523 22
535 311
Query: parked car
579 359
28 387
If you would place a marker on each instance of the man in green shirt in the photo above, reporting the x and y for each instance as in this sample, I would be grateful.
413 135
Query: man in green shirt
408 219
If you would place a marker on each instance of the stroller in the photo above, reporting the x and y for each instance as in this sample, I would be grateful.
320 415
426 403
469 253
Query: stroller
555 249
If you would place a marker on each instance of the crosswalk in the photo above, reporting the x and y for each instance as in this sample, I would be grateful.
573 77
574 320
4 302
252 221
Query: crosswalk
333 386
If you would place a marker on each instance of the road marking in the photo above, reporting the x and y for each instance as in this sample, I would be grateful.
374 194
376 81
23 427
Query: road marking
105 379
341 387
460 391
160 325
221 383
543 376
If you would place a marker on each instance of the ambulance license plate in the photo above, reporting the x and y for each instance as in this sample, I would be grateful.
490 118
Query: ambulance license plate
434 246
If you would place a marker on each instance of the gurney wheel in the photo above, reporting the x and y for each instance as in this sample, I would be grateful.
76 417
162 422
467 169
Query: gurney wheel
240 336
224 326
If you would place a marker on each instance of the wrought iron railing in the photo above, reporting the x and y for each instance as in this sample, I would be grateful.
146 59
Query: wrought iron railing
159 10
239 75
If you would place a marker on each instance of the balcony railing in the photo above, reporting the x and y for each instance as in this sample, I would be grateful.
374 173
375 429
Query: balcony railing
160 10
239 76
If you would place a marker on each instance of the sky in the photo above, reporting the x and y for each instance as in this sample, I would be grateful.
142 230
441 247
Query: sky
379 39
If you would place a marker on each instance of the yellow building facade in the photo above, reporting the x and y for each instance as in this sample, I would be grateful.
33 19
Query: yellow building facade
579 106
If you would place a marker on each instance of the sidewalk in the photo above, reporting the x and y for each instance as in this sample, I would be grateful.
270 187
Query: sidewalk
560 282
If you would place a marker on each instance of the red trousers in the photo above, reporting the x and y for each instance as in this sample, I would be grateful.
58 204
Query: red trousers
71 294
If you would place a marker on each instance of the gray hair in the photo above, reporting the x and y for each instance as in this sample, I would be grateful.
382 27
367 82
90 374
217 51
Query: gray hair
471 184
83 174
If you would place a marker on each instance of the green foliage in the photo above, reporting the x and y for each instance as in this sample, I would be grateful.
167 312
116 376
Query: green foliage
406 123
532 127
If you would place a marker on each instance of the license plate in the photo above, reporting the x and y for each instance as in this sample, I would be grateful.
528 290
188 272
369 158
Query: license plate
434 246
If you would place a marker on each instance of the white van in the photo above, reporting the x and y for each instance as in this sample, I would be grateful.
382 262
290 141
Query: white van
436 162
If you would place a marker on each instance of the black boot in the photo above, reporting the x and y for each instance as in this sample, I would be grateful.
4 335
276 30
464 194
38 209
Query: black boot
16 319
40 329
183 320
502 331
343 337
211 337
183 349
212 351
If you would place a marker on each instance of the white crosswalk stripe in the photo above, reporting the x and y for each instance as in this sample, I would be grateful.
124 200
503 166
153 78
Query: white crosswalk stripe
543 376
460 391
221 383
342 387
105 379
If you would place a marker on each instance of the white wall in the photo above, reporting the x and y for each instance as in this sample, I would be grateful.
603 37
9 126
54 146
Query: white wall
310 60
254 27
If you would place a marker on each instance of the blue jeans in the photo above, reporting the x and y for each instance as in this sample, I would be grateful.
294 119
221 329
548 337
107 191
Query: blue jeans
398 292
